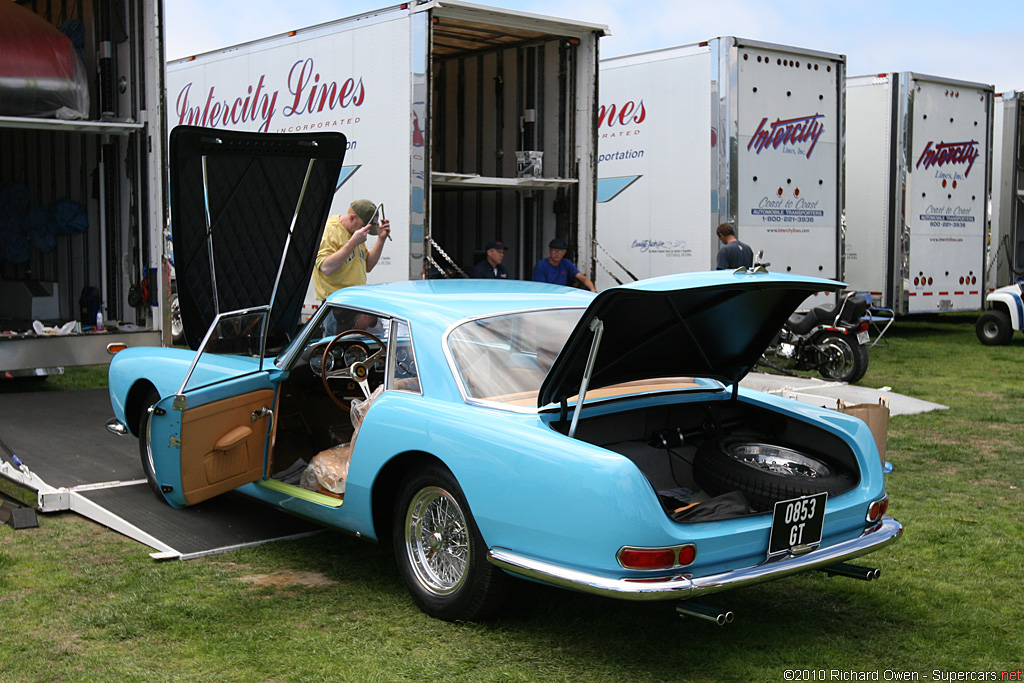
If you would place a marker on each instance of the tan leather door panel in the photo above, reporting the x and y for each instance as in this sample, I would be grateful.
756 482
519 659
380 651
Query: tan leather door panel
221 446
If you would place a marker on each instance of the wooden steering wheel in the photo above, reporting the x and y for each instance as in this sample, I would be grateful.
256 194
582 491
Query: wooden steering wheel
358 371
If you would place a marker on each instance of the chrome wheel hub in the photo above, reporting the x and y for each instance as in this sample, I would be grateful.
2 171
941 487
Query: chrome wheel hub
778 460
437 541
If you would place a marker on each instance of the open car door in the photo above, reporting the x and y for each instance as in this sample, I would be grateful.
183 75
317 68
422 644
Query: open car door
214 434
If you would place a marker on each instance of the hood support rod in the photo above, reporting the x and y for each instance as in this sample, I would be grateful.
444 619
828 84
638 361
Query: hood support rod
597 327
284 253
209 232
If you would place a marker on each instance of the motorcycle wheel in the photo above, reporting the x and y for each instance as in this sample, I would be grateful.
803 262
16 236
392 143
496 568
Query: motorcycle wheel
840 359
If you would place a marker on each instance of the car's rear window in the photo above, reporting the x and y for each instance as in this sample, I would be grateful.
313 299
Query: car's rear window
504 358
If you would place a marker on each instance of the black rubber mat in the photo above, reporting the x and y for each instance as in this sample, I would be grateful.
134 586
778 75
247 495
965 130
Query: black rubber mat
226 521
62 438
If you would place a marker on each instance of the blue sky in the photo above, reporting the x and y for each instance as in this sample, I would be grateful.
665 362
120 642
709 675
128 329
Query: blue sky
972 41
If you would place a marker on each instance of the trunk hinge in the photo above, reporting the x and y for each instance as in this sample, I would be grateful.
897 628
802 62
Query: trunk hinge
598 328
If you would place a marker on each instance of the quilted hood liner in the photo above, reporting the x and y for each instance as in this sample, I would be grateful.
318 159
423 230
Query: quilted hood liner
254 182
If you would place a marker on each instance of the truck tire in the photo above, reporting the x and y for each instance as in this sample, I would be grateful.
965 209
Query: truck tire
841 359
766 473
993 328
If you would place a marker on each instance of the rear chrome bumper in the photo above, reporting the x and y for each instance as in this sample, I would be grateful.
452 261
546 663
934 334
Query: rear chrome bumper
684 587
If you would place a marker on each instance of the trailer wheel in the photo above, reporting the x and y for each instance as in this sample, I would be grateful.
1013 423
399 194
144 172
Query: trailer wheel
766 473
144 452
994 328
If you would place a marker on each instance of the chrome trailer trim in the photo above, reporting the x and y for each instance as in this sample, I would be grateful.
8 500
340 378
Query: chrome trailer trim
684 587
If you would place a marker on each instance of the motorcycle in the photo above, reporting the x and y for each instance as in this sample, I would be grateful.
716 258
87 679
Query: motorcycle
831 341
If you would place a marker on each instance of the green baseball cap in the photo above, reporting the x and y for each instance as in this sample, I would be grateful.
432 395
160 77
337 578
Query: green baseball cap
365 209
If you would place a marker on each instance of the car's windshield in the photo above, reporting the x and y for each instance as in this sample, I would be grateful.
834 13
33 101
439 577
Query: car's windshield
505 358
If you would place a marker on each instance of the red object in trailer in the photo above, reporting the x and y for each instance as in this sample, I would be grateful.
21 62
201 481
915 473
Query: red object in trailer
41 75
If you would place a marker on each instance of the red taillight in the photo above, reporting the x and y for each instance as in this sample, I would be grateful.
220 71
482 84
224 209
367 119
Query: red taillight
877 509
863 327
656 558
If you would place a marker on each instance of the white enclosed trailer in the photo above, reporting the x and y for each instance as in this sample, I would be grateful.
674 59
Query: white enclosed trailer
1006 246
104 166
437 100
727 130
917 190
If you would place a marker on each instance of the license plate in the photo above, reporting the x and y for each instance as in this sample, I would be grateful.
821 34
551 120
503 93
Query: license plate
796 525
863 337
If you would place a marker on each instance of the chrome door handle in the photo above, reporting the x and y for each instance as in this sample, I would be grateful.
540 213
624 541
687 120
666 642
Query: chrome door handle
261 413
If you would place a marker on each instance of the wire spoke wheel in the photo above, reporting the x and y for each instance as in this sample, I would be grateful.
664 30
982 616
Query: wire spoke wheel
766 473
437 541
778 460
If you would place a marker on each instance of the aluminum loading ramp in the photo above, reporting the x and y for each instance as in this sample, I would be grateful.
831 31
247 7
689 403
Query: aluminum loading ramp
71 462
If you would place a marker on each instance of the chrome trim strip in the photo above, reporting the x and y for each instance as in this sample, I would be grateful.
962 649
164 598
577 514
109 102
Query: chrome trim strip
683 587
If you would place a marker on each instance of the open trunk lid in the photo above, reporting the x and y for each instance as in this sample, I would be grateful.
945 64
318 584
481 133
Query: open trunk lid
710 324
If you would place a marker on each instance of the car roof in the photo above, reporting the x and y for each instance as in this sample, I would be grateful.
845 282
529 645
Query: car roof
440 303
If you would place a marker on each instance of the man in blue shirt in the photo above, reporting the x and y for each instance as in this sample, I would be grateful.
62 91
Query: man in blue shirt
557 269
733 254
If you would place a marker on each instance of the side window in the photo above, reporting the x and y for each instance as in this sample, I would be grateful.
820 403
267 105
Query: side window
339 319
235 333
403 374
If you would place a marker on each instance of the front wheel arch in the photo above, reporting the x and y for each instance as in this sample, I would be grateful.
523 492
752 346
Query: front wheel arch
134 404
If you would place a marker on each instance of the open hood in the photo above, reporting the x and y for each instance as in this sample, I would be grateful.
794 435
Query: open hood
247 214
713 325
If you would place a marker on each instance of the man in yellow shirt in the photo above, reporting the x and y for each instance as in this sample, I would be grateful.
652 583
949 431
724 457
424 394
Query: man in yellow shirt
343 259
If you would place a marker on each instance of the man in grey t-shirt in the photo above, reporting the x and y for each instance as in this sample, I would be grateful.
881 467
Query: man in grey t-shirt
733 254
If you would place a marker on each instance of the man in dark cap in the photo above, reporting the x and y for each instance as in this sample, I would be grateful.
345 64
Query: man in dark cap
491 266
559 270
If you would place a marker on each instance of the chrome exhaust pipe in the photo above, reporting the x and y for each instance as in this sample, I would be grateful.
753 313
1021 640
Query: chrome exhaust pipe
692 609
853 571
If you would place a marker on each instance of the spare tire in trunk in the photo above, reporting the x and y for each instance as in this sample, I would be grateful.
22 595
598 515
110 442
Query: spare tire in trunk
766 473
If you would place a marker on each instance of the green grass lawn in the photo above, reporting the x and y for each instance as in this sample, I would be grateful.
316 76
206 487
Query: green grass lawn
81 603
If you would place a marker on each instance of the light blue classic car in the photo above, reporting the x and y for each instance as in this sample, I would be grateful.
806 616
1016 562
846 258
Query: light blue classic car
490 429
